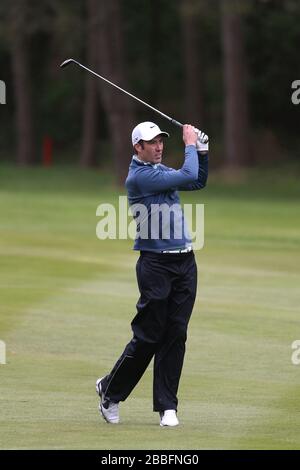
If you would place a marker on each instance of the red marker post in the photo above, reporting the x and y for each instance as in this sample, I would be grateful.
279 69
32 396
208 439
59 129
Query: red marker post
47 151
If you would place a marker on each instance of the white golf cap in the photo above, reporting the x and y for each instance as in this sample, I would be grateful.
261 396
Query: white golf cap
146 131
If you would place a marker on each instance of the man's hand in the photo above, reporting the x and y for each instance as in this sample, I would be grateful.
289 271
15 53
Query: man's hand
189 135
202 141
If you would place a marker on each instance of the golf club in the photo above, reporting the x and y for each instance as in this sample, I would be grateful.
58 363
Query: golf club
69 61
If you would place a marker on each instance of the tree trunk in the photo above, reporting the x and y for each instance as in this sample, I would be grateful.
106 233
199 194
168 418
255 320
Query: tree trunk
22 81
118 107
89 139
192 62
237 152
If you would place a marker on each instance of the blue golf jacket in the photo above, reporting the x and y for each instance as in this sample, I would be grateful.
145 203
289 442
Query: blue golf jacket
154 200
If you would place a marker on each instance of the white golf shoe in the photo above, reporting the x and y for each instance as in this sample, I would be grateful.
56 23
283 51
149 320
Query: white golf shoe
108 409
168 418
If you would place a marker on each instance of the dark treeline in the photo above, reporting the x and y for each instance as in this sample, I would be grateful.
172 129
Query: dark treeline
226 66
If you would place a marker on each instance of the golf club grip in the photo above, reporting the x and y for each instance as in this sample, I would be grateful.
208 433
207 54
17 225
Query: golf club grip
177 123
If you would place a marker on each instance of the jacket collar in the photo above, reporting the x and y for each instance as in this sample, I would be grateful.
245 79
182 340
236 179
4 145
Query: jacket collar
140 162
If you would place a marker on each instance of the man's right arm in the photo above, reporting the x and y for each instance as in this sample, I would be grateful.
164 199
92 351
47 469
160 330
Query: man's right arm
152 180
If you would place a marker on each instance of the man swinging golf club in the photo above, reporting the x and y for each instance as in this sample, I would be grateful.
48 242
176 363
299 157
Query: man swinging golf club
166 269
166 273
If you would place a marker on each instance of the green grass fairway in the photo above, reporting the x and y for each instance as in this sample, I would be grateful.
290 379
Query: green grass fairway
67 299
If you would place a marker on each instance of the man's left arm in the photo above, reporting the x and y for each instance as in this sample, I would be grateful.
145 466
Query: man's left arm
202 175
202 145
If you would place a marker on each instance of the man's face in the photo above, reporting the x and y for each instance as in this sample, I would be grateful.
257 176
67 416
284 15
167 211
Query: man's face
151 150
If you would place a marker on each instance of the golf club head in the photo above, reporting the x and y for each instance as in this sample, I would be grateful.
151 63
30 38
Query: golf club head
66 62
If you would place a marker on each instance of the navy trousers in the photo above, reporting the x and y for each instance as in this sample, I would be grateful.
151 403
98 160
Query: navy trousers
167 285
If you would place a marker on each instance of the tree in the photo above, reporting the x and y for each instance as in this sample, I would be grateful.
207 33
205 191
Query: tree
89 133
193 83
235 84
111 63
18 18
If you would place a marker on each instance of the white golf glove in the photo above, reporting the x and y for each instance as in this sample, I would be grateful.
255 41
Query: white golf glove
202 141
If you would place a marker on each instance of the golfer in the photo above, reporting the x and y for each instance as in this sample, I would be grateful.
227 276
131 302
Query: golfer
166 271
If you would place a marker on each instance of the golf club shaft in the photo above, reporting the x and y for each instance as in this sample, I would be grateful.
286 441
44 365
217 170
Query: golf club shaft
173 121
